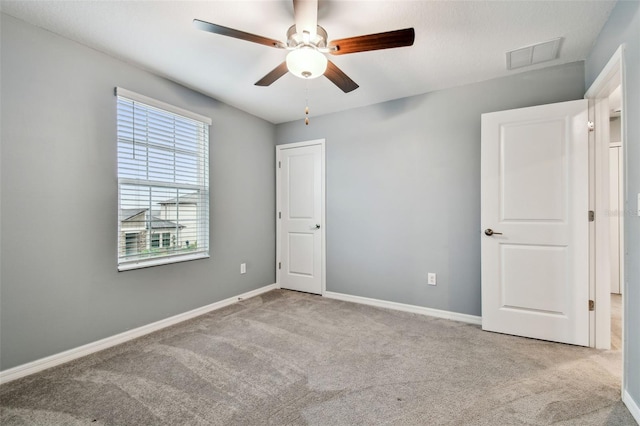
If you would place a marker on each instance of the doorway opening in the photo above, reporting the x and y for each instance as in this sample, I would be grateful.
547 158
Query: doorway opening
616 210
609 201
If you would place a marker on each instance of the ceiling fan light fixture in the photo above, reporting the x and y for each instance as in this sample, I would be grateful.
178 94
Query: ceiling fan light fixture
306 62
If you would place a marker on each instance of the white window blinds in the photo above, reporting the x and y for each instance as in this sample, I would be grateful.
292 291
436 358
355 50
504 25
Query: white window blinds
163 182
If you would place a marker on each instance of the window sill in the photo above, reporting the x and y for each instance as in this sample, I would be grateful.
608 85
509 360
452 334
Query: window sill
147 263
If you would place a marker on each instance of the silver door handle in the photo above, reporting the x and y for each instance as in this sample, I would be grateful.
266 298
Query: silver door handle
489 232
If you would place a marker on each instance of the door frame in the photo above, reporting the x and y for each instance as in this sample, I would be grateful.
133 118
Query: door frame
620 208
323 221
611 76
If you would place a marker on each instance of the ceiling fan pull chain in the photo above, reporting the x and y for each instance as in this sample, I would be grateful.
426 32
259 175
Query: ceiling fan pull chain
306 98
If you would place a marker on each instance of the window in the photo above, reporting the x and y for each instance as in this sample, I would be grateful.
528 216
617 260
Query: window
155 241
163 182
131 243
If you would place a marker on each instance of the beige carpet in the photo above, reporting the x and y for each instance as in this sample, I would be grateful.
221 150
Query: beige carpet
288 358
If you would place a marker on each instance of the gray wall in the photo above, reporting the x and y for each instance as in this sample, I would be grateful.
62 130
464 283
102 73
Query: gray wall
60 286
623 26
403 187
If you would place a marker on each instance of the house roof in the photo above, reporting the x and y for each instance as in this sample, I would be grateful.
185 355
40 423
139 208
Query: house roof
157 223
185 199
126 214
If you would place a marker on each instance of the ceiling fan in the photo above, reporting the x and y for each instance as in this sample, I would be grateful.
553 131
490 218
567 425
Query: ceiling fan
307 44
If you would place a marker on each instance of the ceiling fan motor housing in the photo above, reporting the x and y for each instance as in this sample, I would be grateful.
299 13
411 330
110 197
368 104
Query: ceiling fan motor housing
317 40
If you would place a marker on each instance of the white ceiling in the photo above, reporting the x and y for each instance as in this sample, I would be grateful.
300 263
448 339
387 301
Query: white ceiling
457 42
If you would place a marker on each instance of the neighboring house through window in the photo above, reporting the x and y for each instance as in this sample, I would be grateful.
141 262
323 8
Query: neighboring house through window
163 182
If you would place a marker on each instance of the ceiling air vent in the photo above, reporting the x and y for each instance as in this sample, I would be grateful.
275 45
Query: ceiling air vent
534 54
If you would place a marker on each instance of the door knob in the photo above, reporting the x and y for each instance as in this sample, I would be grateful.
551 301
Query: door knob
489 232
317 226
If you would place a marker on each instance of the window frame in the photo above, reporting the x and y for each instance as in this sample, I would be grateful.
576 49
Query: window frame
165 237
155 240
202 188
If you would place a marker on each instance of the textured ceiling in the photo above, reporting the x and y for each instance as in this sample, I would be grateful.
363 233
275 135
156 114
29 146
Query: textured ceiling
457 42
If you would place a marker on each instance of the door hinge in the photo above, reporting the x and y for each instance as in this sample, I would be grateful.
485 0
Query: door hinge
592 215
591 126
279 215
592 305
279 265
279 165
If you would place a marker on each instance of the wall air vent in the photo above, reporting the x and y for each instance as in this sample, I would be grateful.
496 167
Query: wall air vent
534 54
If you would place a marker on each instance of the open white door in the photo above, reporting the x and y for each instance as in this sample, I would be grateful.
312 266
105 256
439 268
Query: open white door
535 222
300 226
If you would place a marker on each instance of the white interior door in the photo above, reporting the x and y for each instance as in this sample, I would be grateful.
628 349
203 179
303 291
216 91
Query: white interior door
300 177
535 223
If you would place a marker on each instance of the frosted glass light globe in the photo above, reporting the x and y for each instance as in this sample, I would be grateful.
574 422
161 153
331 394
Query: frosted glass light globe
306 62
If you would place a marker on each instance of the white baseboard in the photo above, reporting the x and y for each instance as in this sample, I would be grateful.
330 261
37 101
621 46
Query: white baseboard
632 405
71 354
470 319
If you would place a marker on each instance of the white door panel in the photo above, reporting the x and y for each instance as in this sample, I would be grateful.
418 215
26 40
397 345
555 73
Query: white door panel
532 176
536 275
301 249
300 169
301 210
535 280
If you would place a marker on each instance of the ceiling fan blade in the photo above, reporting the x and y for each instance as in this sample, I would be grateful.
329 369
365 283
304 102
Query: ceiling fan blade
386 40
230 32
306 16
339 78
273 75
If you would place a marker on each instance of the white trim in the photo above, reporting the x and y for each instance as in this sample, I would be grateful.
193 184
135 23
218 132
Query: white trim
278 215
632 406
602 239
323 231
593 315
612 75
75 353
455 316
323 222
119 91
613 65
301 144
160 260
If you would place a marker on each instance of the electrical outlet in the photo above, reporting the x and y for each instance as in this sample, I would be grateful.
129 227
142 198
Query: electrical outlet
243 268
431 278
